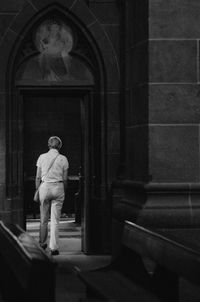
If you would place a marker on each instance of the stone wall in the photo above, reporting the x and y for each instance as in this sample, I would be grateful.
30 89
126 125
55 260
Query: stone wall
174 112
108 15
161 184
174 108
137 90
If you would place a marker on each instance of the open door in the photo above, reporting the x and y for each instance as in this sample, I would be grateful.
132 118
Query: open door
49 114
67 116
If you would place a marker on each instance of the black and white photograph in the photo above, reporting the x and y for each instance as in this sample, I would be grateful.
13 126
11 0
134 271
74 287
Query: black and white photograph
100 150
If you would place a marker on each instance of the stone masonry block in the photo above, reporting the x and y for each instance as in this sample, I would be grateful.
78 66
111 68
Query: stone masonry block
2 196
113 166
5 53
113 135
173 61
23 18
2 136
81 10
138 20
138 109
38 4
105 12
3 167
195 208
113 34
137 153
5 21
174 19
174 103
174 153
2 107
113 106
139 63
11 6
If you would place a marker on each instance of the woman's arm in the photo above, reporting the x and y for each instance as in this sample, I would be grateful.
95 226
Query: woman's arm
38 177
65 176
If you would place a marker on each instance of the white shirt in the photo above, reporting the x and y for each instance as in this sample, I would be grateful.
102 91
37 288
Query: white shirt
56 171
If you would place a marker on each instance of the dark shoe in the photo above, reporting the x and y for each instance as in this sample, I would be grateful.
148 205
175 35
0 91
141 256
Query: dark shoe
43 246
55 253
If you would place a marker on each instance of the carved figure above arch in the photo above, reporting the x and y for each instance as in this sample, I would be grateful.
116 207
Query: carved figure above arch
52 58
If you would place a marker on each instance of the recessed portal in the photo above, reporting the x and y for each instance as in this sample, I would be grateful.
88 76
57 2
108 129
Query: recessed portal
45 116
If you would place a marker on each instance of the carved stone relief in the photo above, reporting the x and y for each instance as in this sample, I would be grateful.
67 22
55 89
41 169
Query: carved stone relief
54 53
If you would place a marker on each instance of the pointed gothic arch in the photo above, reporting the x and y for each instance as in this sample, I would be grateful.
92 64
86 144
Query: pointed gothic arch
99 52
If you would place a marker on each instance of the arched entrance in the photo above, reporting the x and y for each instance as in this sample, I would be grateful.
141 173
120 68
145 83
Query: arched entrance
54 88
65 112
90 45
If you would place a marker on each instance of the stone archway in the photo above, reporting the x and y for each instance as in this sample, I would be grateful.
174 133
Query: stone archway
101 49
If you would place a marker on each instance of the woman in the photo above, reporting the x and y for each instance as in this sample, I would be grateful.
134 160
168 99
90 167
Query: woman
51 179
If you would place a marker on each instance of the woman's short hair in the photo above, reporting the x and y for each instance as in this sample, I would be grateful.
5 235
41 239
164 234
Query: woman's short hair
54 142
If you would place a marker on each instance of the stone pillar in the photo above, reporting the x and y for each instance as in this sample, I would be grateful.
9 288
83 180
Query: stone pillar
8 11
162 180
173 114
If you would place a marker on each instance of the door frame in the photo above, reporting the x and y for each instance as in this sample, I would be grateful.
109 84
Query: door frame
87 121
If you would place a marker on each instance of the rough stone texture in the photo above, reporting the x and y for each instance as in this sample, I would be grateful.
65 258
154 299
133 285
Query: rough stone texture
113 106
2 107
138 21
96 30
139 64
80 9
112 167
138 109
111 64
174 153
128 108
136 94
137 165
38 4
188 291
112 31
5 51
166 218
166 209
18 217
23 18
128 70
100 1
162 120
174 19
135 104
6 216
173 61
11 6
3 204
106 12
2 136
113 137
3 166
195 208
5 20
174 104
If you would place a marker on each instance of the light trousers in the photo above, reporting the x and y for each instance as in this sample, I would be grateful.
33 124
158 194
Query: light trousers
51 200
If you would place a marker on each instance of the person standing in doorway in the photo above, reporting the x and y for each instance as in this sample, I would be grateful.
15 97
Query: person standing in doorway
51 179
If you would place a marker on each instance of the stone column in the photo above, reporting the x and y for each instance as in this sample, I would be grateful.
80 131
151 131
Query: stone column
162 180
173 114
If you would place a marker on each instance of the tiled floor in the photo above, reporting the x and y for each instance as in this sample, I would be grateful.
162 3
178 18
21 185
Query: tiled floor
68 287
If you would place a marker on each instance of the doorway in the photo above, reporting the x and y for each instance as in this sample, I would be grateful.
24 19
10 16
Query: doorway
47 114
